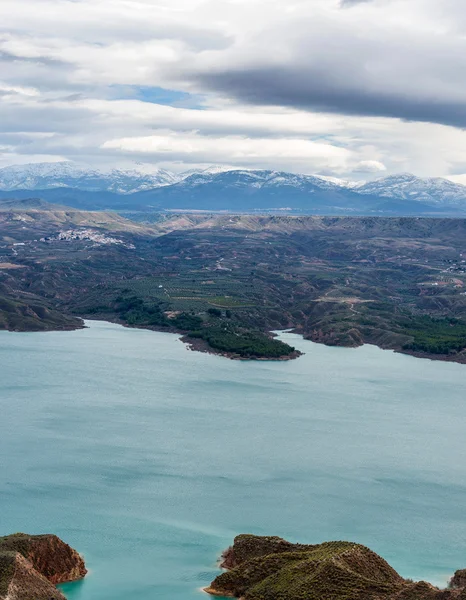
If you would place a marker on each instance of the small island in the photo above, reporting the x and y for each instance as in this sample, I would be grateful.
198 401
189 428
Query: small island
270 568
32 565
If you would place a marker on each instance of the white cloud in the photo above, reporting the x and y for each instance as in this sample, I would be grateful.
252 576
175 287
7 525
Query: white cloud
8 90
370 166
302 85
236 150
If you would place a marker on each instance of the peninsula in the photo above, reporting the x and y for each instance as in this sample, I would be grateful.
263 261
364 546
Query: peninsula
225 282
270 568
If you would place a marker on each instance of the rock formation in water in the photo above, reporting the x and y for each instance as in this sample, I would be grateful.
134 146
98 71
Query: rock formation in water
32 565
270 568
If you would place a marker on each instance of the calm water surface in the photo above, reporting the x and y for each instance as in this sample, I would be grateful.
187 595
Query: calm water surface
149 458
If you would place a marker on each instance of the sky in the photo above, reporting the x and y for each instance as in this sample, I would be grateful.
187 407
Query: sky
355 89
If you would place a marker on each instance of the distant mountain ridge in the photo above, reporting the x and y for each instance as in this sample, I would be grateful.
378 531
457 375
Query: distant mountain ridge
43 176
67 174
406 186
223 189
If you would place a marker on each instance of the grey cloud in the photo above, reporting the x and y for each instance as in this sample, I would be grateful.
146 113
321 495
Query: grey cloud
50 76
40 117
70 97
350 62
315 90
42 73
9 57
351 71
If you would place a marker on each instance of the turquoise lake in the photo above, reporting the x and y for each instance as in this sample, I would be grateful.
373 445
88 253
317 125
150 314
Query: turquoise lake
149 458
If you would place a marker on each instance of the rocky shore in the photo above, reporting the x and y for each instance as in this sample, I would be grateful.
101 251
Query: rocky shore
270 568
32 565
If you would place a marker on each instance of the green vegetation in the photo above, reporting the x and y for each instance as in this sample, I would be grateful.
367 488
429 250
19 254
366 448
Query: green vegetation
397 283
228 302
197 290
17 542
270 568
249 344
434 335
273 568
22 314
135 312
229 338
7 570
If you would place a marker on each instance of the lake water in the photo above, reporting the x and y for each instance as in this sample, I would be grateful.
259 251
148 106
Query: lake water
149 458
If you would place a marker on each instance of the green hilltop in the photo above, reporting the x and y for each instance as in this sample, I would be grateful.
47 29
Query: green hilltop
270 568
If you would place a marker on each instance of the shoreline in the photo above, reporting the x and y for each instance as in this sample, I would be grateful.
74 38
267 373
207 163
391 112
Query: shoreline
243 580
434 357
198 345
213 592
451 358
55 330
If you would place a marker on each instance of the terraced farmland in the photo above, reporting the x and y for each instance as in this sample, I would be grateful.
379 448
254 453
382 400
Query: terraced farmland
195 291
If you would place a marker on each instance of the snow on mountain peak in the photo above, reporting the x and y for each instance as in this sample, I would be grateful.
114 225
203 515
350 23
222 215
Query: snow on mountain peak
345 183
41 176
145 177
405 186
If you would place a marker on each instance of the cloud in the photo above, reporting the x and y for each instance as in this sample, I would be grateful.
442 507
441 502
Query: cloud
345 3
301 85
370 166
325 91
236 150
376 62
8 90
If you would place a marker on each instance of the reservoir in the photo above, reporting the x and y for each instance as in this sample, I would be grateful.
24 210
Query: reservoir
149 458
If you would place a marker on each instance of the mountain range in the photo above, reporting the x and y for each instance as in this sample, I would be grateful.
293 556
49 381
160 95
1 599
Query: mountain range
221 189
46 176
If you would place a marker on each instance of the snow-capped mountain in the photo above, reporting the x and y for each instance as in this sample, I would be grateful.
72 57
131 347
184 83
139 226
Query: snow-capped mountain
346 183
243 190
212 170
46 176
433 190
259 179
222 188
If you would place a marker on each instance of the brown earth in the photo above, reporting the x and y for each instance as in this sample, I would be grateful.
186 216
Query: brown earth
31 566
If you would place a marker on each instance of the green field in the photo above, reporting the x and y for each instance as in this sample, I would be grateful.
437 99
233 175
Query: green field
195 291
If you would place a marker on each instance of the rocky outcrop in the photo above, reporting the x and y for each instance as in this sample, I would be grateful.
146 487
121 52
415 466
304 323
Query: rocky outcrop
20 581
32 565
270 568
459 579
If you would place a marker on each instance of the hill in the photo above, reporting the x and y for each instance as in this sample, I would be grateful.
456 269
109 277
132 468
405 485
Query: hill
18 218
21 313
228 280
33 278
31 566
270 568
28 203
